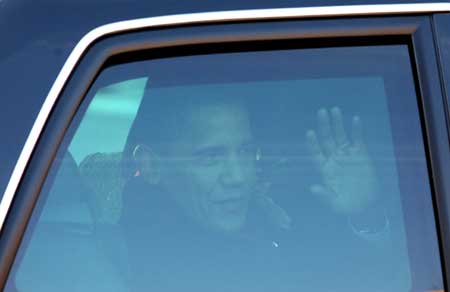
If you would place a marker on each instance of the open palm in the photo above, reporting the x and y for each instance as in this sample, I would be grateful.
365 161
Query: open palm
348 182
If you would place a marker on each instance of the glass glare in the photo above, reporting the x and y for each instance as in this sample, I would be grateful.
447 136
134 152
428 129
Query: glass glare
283 170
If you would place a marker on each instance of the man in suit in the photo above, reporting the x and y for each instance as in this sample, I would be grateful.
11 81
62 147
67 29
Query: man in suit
196 215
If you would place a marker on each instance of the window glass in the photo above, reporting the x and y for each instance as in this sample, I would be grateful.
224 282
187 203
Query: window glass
108 119
282 170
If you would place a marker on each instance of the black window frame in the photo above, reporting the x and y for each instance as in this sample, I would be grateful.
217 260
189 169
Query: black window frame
416 31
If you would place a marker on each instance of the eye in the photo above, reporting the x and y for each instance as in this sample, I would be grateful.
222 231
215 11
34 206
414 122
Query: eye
209 157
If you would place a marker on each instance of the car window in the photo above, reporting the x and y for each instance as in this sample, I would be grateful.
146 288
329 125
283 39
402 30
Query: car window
271 170
112 109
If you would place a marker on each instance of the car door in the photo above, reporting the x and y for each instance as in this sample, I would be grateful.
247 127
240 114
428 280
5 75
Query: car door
280 149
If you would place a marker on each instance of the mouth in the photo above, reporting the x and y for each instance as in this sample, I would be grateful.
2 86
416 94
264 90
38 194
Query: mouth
234 205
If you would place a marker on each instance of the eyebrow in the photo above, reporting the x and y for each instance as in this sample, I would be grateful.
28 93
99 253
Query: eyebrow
208 149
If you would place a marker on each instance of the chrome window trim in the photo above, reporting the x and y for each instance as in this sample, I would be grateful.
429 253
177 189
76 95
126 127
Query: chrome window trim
188 19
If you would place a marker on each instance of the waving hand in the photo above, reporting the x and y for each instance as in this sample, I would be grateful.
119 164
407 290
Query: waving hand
348 183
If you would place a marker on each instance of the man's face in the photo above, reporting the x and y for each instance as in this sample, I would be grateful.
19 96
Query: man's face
210 170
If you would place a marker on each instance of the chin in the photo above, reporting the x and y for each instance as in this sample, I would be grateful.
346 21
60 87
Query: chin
232 225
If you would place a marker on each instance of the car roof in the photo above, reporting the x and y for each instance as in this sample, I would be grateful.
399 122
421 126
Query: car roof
34 20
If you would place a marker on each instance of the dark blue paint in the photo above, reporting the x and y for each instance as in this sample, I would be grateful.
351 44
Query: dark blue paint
37 37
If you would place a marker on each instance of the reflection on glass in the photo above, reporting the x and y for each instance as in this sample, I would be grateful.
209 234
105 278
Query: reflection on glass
286 170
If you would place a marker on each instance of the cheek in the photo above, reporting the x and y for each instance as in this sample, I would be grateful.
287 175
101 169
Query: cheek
205 180
193 187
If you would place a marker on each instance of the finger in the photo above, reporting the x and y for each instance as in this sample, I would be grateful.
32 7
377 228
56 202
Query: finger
314 148
338 125
324 129
357 132
322 192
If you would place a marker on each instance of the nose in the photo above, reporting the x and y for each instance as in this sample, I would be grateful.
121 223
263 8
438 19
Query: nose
234 170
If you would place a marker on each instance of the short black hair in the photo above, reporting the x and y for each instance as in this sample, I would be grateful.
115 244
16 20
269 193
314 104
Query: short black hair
161 116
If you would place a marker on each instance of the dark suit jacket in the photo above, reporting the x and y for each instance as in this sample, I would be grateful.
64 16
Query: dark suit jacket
169 252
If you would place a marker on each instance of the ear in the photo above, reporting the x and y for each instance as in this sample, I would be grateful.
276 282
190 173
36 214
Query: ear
147 162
